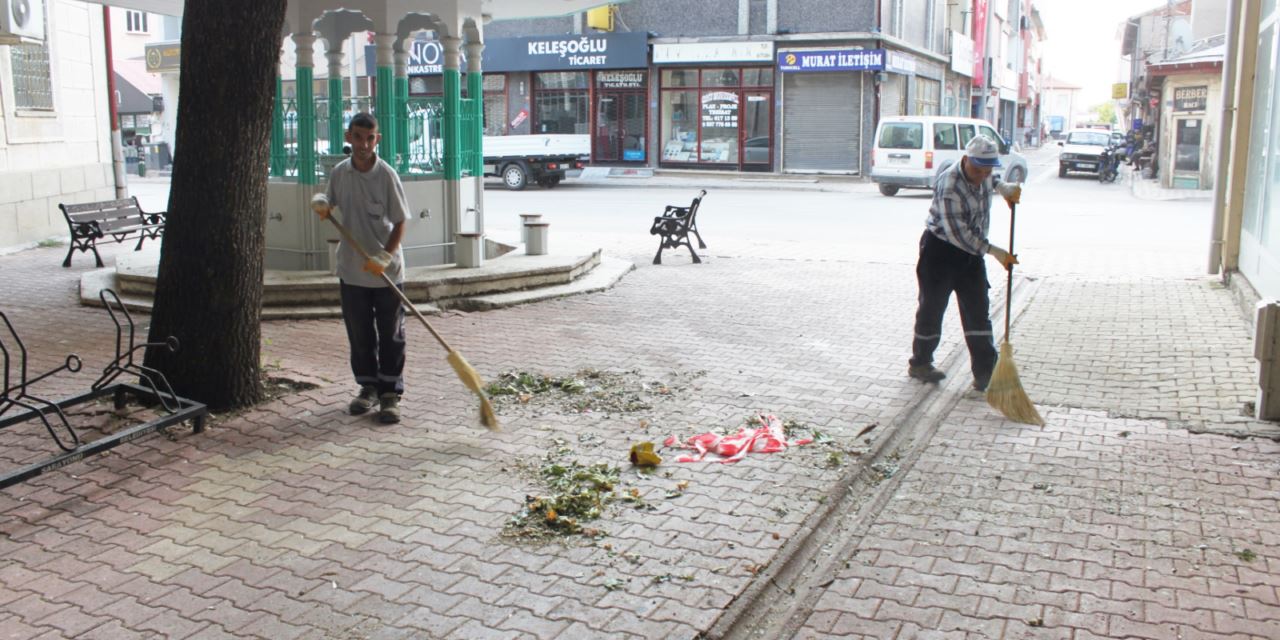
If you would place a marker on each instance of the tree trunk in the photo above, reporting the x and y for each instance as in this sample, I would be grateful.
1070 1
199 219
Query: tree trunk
209 288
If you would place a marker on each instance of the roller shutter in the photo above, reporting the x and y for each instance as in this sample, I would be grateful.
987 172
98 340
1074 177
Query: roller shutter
820 122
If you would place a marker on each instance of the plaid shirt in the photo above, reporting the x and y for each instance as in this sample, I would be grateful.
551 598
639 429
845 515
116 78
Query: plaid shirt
961 212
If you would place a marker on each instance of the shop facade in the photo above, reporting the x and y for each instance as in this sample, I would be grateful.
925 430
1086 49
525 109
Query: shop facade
827 106
715 105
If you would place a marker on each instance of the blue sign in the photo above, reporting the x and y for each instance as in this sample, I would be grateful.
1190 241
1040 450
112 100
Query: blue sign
832 60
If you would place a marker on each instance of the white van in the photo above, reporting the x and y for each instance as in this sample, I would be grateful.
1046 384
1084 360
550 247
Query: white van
911 151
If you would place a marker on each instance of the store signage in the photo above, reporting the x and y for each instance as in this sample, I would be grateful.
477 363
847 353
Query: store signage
720 109
426 58
962 60
1190 98
1119 91
620 79
900 62
689 52
554 53
831 60
163 56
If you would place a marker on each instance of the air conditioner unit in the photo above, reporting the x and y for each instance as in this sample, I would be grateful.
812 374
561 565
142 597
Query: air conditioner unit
21 21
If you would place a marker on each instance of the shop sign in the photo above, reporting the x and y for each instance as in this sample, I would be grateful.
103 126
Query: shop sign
900 62
620 79
831 60
962 60
426 57
692 52
163 56
720 109
1190 98
554 53
1119 91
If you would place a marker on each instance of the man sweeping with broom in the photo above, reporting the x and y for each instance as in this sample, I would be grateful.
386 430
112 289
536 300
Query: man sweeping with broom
951 259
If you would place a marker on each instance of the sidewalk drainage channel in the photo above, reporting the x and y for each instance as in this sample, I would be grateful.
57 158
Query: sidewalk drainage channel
778 602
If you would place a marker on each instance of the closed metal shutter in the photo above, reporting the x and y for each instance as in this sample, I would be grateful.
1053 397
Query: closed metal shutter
893 95
821 130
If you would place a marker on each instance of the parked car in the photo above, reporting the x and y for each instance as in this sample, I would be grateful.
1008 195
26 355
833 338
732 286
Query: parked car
910 152
1081 151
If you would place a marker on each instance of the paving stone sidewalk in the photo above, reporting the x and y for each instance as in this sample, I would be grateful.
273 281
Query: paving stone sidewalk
295 520
1130 515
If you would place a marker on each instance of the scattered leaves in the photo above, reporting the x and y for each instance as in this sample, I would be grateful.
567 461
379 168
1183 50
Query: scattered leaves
1247 555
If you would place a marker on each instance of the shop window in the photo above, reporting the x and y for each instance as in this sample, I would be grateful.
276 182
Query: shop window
32 82
495 105
720 78
680 78
561 103
928 96
712 115
680 124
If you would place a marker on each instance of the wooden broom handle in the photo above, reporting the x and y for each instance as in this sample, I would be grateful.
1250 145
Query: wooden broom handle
1008 291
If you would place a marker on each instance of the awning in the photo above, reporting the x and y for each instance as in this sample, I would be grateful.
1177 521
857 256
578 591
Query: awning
132 99
518 9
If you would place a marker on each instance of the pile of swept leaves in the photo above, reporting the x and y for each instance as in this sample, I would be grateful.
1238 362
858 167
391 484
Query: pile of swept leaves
587 391
575 494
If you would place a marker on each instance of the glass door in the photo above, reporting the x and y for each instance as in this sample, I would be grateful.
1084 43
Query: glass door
620 127
757 131
608 128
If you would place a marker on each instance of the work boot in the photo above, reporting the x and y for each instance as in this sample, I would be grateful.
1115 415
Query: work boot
365 401
389 408
980 382
925 373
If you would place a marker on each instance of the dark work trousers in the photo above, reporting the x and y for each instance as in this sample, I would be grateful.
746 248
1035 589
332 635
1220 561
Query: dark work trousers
375 328
944 268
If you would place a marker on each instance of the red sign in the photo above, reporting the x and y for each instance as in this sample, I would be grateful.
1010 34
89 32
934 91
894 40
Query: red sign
979 42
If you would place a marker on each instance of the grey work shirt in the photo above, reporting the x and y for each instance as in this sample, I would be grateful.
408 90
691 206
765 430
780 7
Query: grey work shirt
370 203
961 211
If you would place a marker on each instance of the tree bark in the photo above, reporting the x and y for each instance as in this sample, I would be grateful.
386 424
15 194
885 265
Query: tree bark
209 287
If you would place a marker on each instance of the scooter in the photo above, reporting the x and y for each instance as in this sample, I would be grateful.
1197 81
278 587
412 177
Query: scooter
1109 164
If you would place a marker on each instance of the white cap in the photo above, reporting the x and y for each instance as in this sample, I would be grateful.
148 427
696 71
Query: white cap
983 151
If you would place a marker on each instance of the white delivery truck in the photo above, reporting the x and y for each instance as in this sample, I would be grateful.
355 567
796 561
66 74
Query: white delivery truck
539 158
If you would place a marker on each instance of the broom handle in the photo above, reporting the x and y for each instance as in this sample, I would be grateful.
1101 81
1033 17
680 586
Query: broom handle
346 235
1008 291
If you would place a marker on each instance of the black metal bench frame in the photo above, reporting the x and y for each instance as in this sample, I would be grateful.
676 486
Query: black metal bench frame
152 388
674 226
109 221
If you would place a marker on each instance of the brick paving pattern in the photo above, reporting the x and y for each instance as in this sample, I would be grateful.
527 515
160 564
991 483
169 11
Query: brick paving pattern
296 520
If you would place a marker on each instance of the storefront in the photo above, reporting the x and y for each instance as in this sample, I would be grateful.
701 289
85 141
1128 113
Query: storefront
716 105
826 107
1188 130
555 84
585 85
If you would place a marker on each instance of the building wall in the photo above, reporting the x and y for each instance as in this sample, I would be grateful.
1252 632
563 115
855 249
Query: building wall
825 16
63 155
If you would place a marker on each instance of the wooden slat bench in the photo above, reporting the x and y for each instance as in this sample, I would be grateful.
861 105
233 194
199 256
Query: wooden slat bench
109 221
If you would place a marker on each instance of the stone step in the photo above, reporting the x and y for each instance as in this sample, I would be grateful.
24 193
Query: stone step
609 273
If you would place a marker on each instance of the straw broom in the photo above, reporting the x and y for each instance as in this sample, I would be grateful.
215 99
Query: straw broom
466 373
1004 391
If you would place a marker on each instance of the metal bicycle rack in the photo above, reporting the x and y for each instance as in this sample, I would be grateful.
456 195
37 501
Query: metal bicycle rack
152 387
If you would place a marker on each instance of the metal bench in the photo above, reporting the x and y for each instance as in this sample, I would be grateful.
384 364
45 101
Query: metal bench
109 221
674 226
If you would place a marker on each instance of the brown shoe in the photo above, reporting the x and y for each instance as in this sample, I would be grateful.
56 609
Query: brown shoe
365 401
389 408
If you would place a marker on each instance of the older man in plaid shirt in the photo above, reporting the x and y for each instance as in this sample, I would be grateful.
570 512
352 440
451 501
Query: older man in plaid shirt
951 259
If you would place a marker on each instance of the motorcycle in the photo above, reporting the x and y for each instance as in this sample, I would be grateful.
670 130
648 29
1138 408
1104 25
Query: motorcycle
1109 164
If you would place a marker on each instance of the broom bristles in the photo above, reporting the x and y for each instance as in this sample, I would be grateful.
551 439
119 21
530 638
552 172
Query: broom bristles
1005 393
469 377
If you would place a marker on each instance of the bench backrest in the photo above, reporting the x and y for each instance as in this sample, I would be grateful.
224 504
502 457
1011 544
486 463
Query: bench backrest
110 214
693 208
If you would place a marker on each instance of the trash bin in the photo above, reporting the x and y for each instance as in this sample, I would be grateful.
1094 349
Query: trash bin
142 168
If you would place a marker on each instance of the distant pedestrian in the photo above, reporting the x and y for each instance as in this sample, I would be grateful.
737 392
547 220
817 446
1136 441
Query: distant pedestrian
371 198
951 259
